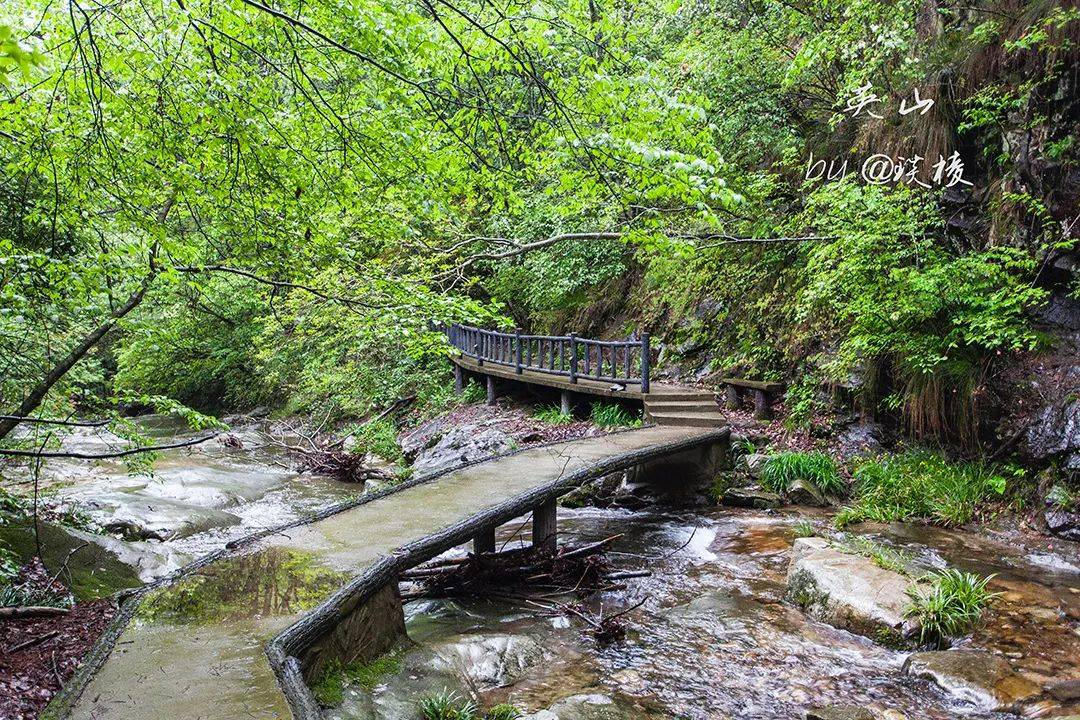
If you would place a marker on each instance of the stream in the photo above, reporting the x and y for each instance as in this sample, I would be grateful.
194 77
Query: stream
714 638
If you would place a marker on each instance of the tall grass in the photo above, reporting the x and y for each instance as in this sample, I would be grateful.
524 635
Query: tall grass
447 705
783 469
952 606
920 484
607 415
553 415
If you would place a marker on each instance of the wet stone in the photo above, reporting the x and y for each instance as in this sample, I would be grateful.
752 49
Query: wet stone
840 712
803 493
489 660
751 497
848 591
1064 690
976 677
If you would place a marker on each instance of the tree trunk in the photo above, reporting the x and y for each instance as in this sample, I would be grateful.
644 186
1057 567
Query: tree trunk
38 393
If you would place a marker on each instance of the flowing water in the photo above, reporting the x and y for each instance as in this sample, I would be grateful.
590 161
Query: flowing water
195 500
713 638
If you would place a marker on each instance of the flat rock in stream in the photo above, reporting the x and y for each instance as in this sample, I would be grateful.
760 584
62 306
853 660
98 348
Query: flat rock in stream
488 660
840 712
460 446
848 591
984 680
751 497
585 706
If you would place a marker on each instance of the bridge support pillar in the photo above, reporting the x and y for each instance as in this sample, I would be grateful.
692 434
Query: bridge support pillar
565 404
459 379
731 397
484 542
490 390
544 526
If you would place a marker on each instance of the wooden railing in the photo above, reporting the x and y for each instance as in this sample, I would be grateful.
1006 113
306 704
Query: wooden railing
617 361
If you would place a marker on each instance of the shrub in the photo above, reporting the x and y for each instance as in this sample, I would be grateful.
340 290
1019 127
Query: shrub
608 415
447 705
473 392
816 468
920 484
553 415
378 438
502 711
952 607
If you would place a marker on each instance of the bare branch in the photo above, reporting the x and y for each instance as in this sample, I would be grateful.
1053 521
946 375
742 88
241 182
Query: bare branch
104 456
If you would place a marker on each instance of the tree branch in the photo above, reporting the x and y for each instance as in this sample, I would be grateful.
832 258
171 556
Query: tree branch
105 456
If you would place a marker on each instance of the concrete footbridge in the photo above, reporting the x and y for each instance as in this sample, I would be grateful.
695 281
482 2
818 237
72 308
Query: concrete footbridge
241 633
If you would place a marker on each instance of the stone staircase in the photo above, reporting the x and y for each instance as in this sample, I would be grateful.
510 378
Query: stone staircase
683 407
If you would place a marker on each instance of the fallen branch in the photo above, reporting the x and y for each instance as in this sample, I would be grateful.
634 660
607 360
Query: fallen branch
55 421
8 613
32 642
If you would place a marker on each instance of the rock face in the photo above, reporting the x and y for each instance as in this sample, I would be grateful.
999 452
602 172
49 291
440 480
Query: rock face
462 445
489 660
982 679
751 497
1056 432
840 712
1063 523
860 439
752 464
848 591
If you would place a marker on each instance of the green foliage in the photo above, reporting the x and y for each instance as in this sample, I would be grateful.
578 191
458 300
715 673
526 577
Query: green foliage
952 606
816 468
921 485
378 438
801 401
803 529
502 711
329 689
447 705
473 392
552 415
610 415
1063 497
10 562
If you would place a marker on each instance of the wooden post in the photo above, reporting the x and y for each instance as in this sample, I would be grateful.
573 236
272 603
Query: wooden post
645 360
731 397
459 380
517 350
484 542
564 402
762 411
544 529
573 358
490 390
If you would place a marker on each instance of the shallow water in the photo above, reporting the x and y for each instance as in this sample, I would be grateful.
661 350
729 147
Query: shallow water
714 639
195 501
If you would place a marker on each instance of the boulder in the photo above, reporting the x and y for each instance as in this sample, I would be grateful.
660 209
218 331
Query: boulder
840 712
984 680
422 437
803 493
751 497
461 446
1063 523
752 463
848 591
1064 690
488 660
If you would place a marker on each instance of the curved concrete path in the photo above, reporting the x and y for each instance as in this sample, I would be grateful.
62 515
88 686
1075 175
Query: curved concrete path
196 647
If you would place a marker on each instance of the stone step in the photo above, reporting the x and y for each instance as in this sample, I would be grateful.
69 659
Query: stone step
681 406
688 394
689 419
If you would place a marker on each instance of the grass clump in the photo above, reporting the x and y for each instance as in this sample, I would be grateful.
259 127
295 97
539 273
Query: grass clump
882 555
952 606
783 469
503 711
553 415
607 415
920 484
447 705
803 529
378 438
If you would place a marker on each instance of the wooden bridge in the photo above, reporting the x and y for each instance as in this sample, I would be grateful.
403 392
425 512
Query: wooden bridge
578 367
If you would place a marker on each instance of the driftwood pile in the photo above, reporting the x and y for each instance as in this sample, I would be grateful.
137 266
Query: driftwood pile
532 576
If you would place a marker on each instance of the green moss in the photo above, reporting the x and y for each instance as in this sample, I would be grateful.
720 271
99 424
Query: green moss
329 690
273 581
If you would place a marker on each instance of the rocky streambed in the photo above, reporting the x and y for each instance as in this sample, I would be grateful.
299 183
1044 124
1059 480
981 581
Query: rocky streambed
718 635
